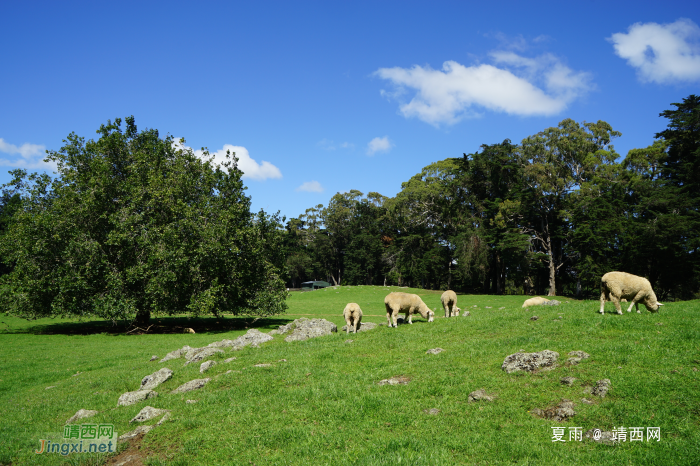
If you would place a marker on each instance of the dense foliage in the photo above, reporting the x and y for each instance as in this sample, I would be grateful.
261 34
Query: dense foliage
136 224
549 215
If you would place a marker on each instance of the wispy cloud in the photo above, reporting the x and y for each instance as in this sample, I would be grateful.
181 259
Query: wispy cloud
250 168
661 53
31 156
327 144
379 145
311 187
522 86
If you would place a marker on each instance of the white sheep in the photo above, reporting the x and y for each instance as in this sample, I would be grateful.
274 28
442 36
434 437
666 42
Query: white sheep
615 286
407 303
353 316
449 303
536 301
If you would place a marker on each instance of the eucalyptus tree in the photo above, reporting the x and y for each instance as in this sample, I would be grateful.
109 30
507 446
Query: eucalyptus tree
556 162
134 224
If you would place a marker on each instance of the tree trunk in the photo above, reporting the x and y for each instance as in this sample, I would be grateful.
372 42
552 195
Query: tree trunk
552 269
142 318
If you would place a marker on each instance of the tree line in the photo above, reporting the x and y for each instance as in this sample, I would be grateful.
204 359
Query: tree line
136 224
549 215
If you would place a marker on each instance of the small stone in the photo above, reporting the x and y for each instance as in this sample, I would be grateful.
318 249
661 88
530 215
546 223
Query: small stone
253 337
230 359
487 307
362 327
400 380
164 418
81 414
76 374
148 413
349 341
659 323
130 398
534 318
552 302
563 411
601 388
191 385
434 351
189 402
568 380
52 386
153 358
205 366
282 360
587 401
479 395
501 308
262 365
466 313
580 354
432 411
530 362
199 354
139 430
152 381
605 437
176 354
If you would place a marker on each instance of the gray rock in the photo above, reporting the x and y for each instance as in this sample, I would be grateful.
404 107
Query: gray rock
189 402
139 430
81 414
434 351
466 313
195 384
176 354
50 387
310 328
349 341
432 411
568 380
253 338
480 395
362 326
605 437
200 354
397 380
530 362
534 318
262 365
579 354
147 414
205 366
131 398
221 344
559 413
164 418
552 302
601 388
587 401
230 359
153 358
152 381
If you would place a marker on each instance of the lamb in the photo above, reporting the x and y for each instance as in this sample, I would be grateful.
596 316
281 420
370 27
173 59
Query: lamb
536 301
449 303
615 286
407 303
353 316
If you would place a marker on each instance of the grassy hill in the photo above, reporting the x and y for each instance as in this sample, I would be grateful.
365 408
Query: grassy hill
319 401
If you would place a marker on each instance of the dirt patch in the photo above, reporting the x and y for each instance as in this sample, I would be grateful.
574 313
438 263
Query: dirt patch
134 455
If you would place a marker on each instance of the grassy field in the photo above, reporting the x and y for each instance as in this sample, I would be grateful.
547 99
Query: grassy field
319 402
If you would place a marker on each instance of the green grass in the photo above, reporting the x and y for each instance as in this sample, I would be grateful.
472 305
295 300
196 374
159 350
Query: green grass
323 405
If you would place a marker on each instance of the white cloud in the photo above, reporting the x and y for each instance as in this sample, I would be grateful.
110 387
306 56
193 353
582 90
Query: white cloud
327 144
311 187
250 168
31 156
379 145
456 91
661 53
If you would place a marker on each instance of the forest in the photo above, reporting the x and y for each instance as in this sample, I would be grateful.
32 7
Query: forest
549 215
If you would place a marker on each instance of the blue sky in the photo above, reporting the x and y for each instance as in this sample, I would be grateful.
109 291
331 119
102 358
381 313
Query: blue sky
324 97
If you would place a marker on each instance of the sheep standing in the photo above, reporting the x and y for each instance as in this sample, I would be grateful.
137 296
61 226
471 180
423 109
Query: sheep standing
536 301
353 316
449 303
407 303
615 286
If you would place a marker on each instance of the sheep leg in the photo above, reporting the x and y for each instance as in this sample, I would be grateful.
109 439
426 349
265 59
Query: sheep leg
448 313
635 302
602 302
409 316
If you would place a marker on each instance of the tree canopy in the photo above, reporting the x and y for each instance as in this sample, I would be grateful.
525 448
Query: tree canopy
136 224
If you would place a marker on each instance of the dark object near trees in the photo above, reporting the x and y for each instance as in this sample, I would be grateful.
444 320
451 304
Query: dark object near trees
136 224
314 285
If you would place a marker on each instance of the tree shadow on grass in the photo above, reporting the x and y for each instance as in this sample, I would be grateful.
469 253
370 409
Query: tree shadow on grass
157 326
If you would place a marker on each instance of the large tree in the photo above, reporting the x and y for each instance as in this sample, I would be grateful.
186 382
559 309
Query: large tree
136 224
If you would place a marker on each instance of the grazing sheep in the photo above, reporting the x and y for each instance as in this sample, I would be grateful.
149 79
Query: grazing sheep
407 303
615 286
449 303
353 316
536 301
